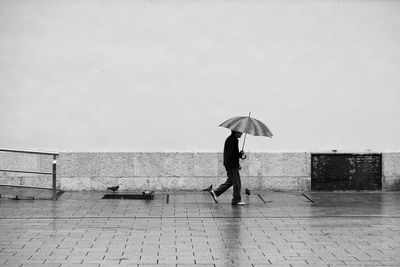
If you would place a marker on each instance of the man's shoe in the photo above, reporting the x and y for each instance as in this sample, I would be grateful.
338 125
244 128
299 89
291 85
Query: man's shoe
239 203
214 196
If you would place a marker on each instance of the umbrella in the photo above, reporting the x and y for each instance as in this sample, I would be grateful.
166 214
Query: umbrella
247 125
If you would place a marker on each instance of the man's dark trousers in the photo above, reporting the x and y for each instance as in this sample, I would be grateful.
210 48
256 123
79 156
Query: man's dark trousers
233 180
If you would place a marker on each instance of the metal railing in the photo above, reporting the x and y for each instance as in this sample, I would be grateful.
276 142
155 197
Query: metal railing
53 173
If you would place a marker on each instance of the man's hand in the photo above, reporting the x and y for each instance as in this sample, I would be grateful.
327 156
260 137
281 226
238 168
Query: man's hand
242 154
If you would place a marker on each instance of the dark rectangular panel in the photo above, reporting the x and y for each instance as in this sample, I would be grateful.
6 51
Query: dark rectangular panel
346 172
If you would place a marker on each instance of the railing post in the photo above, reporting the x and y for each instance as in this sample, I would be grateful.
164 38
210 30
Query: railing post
54 177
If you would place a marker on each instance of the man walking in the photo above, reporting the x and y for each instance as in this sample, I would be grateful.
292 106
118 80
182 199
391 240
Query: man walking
232 166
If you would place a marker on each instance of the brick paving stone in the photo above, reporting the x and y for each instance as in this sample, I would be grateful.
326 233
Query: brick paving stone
193 230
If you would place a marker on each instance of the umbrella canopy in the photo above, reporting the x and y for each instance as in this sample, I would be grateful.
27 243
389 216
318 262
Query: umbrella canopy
246 124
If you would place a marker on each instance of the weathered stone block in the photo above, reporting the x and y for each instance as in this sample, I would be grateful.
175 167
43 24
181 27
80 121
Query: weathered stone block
221 167
304 184
272 165
296 164
45 163
85 164
134 183
19 161
76 184
18 181
391 183
147 164
116 164
102 183
178 183
255 161
17 174
197 183
390 164
42 182
206 164
281 184
245 167
65 166
177 164
163 184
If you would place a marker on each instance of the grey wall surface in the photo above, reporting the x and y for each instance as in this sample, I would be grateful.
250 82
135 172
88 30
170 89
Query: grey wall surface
174 171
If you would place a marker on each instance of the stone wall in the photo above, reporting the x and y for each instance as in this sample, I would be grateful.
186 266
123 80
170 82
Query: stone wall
173 171
180 171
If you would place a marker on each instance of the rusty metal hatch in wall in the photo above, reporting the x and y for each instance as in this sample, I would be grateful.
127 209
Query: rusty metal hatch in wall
345 171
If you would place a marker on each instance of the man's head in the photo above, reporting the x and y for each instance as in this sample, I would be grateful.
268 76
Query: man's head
237 134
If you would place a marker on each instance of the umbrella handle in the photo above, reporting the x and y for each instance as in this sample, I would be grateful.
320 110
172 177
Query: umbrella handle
245 134
244 141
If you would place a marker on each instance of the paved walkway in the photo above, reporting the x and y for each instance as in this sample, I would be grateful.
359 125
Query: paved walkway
189 229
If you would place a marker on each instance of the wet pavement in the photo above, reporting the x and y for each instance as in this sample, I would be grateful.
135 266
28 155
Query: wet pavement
190 229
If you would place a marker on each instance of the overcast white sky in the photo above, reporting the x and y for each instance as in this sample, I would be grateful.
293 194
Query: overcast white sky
122 75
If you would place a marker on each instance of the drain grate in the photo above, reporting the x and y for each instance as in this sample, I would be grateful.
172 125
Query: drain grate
129 196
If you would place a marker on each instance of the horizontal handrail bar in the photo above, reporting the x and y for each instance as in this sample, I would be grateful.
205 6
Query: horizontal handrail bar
27 172
29 151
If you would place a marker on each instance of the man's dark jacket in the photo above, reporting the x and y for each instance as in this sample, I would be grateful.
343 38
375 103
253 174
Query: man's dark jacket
231 152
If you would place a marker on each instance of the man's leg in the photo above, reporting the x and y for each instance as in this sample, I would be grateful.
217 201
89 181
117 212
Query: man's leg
234 175
223 187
